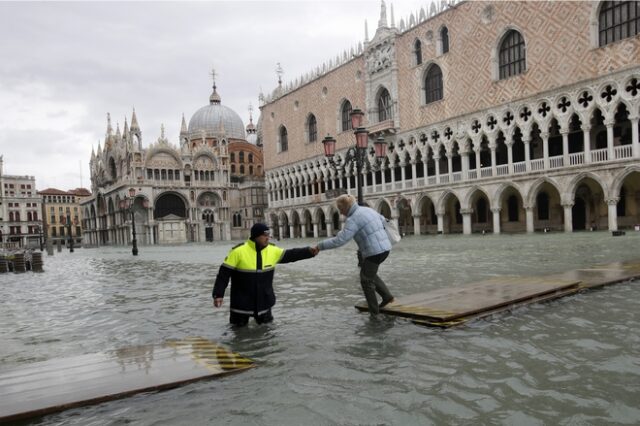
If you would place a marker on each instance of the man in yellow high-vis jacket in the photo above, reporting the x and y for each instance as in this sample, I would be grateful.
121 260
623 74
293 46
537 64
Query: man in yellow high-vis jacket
251 266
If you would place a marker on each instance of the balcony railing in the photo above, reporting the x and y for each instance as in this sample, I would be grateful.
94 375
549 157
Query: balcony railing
599 155
555 162
623 151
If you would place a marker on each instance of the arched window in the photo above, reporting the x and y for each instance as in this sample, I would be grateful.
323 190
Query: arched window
384 106
233 168
512 58
241 169
433 84
346 116
417 50
241 157
250 158
312 128
444 39
233 157
618 20
284 139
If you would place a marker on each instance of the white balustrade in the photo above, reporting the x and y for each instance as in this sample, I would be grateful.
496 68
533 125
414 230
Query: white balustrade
473 174
537 164
444 178
457 176
623 151
598 155
576 158
432 180
519 167
555 162
502 170
485 172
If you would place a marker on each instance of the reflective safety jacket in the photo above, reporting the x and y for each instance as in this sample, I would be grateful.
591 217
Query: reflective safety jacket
251 273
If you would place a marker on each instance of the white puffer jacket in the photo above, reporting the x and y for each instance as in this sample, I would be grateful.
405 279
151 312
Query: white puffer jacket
366 227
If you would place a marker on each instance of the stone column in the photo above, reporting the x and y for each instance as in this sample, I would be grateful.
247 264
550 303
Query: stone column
611 155
292 231
492 147
403 175
612 204
316 232
565 147
545 149
496 219
281 231
510 157
436 160
329 228
440 216
466 221
568 218
373 181
635 144
478 165
586 141
416 225
425 170
382 176
450 167
465 165
528 211
414 178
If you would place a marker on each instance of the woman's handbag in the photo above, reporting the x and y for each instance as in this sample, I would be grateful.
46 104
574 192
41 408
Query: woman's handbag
392 231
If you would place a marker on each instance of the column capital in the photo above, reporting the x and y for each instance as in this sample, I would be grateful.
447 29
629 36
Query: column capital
466 211
612 201
568 204
496 210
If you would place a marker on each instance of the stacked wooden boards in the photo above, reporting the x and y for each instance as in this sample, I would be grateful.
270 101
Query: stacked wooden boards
57 384
456 305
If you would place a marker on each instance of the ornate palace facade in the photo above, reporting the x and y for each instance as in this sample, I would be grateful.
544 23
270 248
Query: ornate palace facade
498 116
176 194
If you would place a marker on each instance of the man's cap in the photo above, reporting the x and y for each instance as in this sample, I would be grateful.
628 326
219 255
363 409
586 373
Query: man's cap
258 229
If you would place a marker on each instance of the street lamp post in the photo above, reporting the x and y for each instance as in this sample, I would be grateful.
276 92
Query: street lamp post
357 153
40 237
69 233
128 204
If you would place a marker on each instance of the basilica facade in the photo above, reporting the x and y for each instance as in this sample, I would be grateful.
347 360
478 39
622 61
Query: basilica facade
498 117
170 194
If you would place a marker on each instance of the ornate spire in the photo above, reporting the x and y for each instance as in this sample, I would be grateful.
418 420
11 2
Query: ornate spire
109 128
279 72
251 128
125 130
183 126
366 31
382 23
214 98
134 121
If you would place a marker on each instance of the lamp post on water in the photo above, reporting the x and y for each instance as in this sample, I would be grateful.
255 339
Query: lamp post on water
357 153
128 205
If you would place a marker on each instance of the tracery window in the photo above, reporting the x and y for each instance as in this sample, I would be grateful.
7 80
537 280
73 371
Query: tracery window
618 20
433 84
312 128
512 57
417 50
346 116
384 106
284 139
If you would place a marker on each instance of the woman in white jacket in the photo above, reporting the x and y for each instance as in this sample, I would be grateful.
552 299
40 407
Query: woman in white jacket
366 227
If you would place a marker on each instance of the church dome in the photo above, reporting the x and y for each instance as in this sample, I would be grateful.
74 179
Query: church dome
216 118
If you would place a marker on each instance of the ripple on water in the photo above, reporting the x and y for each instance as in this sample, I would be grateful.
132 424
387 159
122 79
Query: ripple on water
573 361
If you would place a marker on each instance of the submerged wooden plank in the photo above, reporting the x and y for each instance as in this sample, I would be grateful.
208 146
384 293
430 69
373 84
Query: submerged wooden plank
54 385
450 303
452 306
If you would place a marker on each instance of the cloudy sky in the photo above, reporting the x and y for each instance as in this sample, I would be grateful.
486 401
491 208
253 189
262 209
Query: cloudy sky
65 65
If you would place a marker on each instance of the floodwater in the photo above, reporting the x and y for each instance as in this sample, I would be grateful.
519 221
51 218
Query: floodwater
574 361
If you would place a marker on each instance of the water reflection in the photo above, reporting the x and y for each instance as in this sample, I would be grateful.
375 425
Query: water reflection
572 361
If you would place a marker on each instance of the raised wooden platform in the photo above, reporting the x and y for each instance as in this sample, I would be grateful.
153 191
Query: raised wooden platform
456 305
55 385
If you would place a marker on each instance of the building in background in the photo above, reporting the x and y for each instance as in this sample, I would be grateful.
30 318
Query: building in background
20 211
176 194
62 215
498 116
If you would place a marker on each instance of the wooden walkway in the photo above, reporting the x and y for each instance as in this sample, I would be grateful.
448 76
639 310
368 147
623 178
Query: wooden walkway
456 305
58 384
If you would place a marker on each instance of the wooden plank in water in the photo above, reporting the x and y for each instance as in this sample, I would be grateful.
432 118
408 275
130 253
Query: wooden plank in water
451 303
58 384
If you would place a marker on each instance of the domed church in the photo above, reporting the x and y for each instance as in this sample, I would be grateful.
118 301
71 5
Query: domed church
208 188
